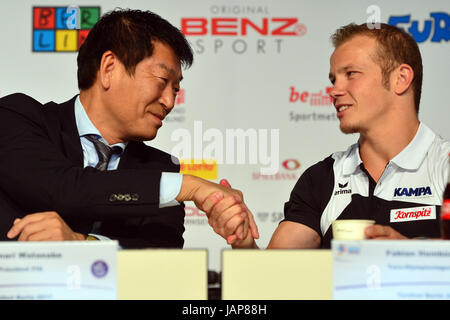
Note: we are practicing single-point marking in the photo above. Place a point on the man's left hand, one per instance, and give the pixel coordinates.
(379, 232)
(43, 226)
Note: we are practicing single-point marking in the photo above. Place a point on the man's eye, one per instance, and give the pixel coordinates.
(350, 73)
(164, 80)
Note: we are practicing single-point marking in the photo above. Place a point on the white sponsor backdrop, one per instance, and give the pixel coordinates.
(245, 81)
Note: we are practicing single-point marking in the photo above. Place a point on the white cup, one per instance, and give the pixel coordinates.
(350, 229)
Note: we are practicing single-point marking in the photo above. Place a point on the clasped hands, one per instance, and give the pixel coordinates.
(225, 208)
(227, 214)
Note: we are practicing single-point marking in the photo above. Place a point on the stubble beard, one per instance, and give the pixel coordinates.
(349, 129)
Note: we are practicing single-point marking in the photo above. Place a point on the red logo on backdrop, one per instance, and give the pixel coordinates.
(242, 26)
(195, 217)
(241, 29)
(291, 164)
(193, 212)
(321, 98)
(180, 97)
(314, 99)
(288, 173)
(178, 114)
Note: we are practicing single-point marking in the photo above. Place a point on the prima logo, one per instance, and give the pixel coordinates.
(342, 189)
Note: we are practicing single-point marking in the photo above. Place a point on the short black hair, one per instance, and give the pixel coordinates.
(129, 35)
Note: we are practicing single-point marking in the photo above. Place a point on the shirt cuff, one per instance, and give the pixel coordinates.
(99, 237)
(169, 188)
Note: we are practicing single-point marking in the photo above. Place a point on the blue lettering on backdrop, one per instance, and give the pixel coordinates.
(440, 22)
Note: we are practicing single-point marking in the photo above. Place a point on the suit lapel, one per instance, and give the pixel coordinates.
(69, 132)
(132, 156)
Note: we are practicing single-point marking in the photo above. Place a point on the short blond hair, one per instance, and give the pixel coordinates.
(395, 47)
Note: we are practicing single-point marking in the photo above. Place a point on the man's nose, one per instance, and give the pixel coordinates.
(167, 99)
(336, 91)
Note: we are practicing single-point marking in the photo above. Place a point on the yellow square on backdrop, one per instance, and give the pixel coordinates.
(66, 40)
(203, 168)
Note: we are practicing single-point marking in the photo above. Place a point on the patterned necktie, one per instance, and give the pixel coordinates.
(104, 153)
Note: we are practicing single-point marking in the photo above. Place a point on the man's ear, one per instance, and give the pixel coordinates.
(108, 64)
(404, 76)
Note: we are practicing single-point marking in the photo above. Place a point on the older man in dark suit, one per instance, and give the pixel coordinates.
(80, 170)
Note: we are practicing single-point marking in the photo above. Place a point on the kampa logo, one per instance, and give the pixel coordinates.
(342, 189)
(439, 24)
(413, 192)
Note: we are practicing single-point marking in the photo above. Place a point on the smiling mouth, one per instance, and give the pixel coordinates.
(160, 117)
(342, 108)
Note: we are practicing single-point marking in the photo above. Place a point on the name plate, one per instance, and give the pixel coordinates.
(69, 270)
(391, 270)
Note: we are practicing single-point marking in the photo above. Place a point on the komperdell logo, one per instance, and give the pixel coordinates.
(412, 192)
(343, 191)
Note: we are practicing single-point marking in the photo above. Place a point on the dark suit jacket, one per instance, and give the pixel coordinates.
(41, 169)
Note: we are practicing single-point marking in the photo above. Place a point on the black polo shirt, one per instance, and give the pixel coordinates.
(407, 197)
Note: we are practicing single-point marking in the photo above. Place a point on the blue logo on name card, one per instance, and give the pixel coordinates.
(99, 269)
(351, 250)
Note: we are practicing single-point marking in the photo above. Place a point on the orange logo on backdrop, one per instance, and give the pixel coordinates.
(204, 168)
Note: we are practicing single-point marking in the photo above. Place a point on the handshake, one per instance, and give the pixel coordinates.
(224, 206)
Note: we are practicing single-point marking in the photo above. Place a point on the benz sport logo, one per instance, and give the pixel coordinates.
(242, 29)
(413, 214)
(200, 26)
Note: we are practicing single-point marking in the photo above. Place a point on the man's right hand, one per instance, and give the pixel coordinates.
(43, 226)
(224, 207)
